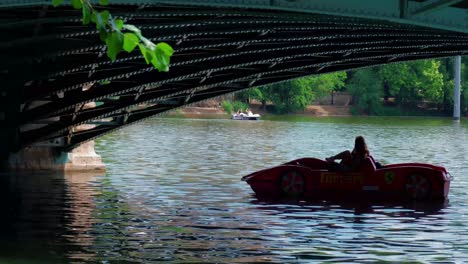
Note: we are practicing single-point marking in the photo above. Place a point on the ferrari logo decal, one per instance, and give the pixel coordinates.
(389, 177)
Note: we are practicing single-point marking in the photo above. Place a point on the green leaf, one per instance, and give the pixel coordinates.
(157, 63)
(86, 14)
(130, 42)
(103, 34)
(159, 66)
(116, 24)
(56, 3)
(105, 15)
(165, 48)
(77, 4)
(162, 56)
(101, 19)
(94, 16)
(161, 61)
(146, 52)
(119, 24)
(114, 42)
(103, 2)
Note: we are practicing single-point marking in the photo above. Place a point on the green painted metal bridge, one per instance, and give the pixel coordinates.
(59, 89)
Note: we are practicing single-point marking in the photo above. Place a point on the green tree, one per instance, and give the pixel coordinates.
(366, 88)
(324, 84)
(412, 82)
(431, 81)
(287, 97)
(249, 94)
(464, 86)
(295, 95)
(446, 69)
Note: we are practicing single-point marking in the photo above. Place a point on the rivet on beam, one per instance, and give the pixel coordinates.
(139, 92)
(392, 58)
(256, 79)
(263, 33)
(184, 37)
(321, 68)
(189, 96)
(208, 75)
(241, 45)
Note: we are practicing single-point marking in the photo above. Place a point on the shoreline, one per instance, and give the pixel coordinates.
(311, 111)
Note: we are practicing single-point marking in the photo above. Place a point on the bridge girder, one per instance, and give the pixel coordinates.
(63, 66)
(442, 14)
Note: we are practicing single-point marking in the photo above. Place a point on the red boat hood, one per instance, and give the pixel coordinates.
(414, 164)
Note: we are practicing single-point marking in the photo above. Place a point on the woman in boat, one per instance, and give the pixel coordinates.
(350, 160)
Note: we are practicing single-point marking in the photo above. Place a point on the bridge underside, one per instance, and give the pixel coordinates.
(60, 89)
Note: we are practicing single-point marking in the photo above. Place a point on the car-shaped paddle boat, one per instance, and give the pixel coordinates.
(310, 178)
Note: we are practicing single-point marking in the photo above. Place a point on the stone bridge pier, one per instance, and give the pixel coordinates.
(83, 158)
(48, 155)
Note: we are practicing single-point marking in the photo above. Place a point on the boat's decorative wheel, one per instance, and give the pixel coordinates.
(418, 186)
(292, 183)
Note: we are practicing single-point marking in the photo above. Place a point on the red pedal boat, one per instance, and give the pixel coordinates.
(310, 178)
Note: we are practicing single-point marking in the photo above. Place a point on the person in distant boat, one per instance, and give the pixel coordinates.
(350, 160)
(239, 112)
(249, 113)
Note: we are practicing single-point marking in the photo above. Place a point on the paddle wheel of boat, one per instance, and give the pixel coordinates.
(292, 183)
(418, 186)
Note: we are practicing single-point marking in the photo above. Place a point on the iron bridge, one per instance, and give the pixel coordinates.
(59, 88)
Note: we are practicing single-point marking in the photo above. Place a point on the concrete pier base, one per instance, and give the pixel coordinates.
(82, 158)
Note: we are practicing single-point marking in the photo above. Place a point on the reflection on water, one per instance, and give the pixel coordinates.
(347, 232)
(47, 217)
(173, 194)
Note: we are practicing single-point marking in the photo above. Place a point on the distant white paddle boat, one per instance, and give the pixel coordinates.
(243, 116)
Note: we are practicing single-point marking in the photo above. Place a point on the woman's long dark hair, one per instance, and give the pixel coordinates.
(360, 147)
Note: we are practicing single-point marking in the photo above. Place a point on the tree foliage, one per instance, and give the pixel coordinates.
(295, 95)
(288, 96)
(464, 85)
(366, 88)
(119, 36)
(414, 81)
(322, 85)
(426, 83)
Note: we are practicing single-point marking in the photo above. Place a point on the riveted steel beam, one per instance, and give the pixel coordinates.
(434, 6)
(453, 17)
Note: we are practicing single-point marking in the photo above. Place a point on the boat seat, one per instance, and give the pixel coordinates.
(368, 165)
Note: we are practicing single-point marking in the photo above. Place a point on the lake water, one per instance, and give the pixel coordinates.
(172, 194)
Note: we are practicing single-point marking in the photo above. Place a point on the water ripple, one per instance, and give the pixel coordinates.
(173, 194)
